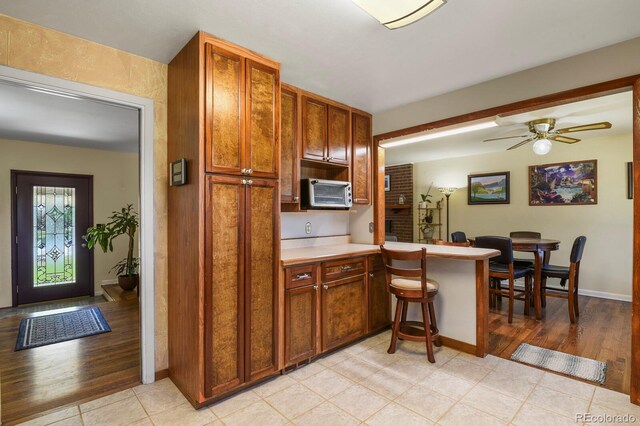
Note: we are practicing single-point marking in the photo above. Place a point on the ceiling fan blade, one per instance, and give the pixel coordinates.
(506, 137)
(563, 139)
(592, 126)
(521, 143)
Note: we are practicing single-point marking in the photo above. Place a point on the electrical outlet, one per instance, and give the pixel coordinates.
(307, 228)
(371, 227)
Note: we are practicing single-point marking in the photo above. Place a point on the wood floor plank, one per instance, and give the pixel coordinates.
(39, 379)
(602, 332)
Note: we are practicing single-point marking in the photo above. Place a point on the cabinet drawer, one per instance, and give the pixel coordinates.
(299, 276)
(343, 268)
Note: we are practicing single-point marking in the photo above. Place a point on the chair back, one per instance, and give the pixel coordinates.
(388, 256)
(497, 243)
(525, 234)
(447, 243)
(392, 238)
(458, 237)
(578, 249)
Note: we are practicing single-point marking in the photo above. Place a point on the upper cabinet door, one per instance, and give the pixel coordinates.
(339, 141)
(263, 120)
(361, 157)
(224, 111)
(289, 146)
(314, 129)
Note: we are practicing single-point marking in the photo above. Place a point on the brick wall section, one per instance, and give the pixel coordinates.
(401, 177)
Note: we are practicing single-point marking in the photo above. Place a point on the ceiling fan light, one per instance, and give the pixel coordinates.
(542, 146)
(399, 13)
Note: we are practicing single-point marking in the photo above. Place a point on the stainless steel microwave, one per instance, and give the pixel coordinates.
(325, 194)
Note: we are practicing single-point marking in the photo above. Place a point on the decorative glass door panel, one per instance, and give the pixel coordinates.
(54, 251)
(51, 213)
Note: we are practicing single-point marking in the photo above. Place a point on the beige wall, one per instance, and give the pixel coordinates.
(41, 50)
(115, 184)
(616, 61)
(608, 226)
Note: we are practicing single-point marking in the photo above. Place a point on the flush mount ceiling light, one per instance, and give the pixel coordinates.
(398, 13)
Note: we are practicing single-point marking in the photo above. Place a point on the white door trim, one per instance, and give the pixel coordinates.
(147, 212)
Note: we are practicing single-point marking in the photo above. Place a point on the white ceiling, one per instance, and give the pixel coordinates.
(332, 47)
(616, 109)
(31, 115)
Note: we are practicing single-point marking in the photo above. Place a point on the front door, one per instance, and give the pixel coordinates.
(51, 213)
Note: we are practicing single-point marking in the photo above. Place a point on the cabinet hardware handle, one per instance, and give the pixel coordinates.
(249, 171)
(243, 171)
(249, 182)
(346, 268)
(302, 276)
(295, 199)
(315, 287)
(325, 286)
(329, 158)
(371, 274)
(244, 181)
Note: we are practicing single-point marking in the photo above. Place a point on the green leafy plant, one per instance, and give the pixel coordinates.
(124, 222)
(426, 197)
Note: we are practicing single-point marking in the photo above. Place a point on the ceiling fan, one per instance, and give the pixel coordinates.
(542, 132)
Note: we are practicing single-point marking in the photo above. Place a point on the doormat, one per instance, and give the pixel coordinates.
(584, 368)
(55, 328)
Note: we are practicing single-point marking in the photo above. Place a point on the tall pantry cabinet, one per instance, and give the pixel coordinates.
(224, 245)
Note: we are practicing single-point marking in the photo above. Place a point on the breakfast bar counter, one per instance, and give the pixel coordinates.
(462, 303)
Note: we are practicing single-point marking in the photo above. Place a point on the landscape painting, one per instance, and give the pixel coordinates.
(489, 188)
(563, 184)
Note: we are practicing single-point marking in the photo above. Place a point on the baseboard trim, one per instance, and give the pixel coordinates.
(458, 345)
(604, 295)
(162, 374)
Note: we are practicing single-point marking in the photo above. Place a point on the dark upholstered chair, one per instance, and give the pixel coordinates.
(525, 234)
(501, 268)
(458, 237)
(564, 273)
(391, 237)
(412, 286)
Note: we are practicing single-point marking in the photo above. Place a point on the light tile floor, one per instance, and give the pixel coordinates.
(362, 384)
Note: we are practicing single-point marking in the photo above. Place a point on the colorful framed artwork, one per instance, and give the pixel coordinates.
(564, 184)
(488, 188)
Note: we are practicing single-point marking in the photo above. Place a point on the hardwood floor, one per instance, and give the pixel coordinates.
(602, 332)
(39, 379)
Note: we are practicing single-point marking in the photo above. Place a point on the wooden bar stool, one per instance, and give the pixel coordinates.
(412, 286)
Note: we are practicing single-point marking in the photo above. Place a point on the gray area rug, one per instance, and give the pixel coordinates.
(584, 368)
(54, 328)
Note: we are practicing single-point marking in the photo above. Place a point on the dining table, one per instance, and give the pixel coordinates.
(541, 249)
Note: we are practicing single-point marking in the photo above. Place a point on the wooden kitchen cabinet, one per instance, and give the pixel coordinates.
(361, 157)
(289, 140)
(242, 114)
(339, 137)
(379, 296)
(301, 306)
(314, 129)
(224, 301)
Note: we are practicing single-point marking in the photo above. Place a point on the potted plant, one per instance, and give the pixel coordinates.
(425, 198)
(124, 222)
(427, 228)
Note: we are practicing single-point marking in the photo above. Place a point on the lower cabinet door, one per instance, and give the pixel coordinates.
(379, 297)
(300, 320)
(344, 311)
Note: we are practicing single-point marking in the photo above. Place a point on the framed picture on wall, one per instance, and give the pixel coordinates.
(387, 183)
(488, 188)
(564, 184)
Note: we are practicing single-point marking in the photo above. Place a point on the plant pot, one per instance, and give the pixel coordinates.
(428, 233)
(422, 204)
(128, 282)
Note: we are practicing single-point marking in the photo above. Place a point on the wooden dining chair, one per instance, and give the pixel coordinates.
(411, 285)
(503, 268)
(459, 237)
(569, 273)
(525, 234)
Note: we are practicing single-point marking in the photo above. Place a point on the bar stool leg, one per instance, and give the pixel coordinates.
(396, 326)
(427, 332)
(434, 323)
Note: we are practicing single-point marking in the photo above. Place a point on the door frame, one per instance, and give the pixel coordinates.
(629, 83)
(146, 109)
(14, 225)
